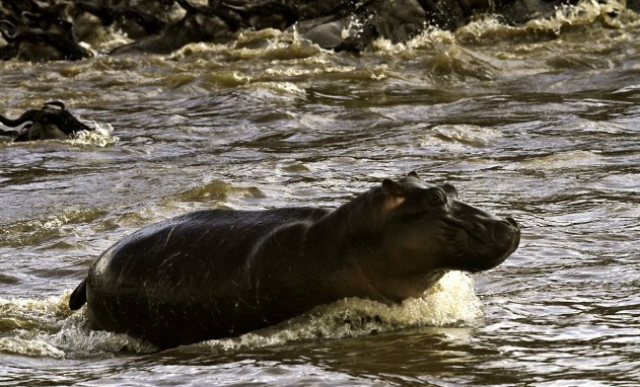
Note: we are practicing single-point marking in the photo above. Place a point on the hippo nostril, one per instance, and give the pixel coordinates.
(512, 222)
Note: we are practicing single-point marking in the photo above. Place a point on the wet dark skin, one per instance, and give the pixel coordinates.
(220, 273)
(52, 121)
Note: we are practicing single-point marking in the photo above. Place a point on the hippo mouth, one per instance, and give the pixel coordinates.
(488, 242)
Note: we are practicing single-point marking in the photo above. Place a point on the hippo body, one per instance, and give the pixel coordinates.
(220, 273)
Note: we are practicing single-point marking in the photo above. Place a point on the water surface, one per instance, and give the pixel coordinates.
(537, 122)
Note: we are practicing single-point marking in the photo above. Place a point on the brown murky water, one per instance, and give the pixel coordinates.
(539, 122)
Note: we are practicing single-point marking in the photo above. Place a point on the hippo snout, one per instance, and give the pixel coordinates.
(505, 230)
(501, 240)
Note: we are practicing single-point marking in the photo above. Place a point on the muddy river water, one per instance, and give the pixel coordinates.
(539, 122)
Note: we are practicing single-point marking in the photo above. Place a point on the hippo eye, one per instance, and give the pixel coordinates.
(436, 197)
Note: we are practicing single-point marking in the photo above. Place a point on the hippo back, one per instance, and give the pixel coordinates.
(194, 264)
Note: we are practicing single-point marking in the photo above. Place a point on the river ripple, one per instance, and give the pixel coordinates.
(538, 122)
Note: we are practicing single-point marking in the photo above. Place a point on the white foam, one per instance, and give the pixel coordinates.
(47, 328)
(101, 136)
(450, 302)
(34, 346)
(76, 339)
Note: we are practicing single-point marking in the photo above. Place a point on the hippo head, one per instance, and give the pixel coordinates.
(427, 231)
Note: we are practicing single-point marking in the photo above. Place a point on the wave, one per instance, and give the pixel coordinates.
(272, 44)
(36, 232)
(450, 302)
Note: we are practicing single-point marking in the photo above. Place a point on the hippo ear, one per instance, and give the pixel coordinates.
(414, 174)
(393, 188)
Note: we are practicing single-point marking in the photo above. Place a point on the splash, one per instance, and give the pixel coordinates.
(268, 44)
(450, 302)
(32, 314)
(101, 136)
(488, 29)
(76, 339)
(32, 345)
(47, 328)
(26, 325)
(590, 13)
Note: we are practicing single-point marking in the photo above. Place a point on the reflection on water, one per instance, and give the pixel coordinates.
(537, 122)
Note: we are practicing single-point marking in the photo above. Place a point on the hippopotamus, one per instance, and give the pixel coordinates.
(220, 273)
(52, 121)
